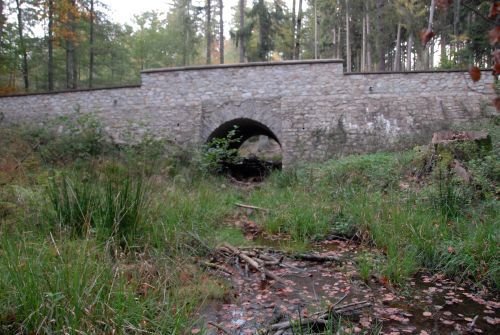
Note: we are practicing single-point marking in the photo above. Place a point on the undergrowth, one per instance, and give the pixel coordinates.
(101, 238)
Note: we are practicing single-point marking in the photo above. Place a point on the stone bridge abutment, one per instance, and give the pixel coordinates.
(311, 108)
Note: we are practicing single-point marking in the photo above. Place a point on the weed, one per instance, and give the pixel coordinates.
(220, 152)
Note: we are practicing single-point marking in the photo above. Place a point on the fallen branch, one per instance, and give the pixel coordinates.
(319, 319)
(252, 263)
(216, 267)
(251, 207)
(218, 326)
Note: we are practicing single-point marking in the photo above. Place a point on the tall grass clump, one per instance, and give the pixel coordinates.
(74, 203)
(122, 208)
(53, 286)
(103, 203)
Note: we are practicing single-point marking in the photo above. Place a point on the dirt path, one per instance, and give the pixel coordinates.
(429, 305)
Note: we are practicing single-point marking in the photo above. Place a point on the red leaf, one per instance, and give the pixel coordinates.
(494, 10)
(496, 69)
(494, 35)
(496, 102)
(475, 73)
(443, 4)
(426, 35)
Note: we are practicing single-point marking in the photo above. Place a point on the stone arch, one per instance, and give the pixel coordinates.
(253, 116)
(245, 128)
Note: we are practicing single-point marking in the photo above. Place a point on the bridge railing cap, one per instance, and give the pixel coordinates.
(242, 65)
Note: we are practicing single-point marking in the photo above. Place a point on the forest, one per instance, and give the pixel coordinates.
(49, 45)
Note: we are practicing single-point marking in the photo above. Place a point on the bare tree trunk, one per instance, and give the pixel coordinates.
(208, 31)
(315, 31)
(368, 48)
(294, 22)
(71, 70)
(241, 37)
(397, 57)
(50, 65)
(22, 45)
(456, 22)
(339, 45)
(443, 58)
(91, 46)
(299, 26)
(379, 36)
(187, 35)
(363, 46)
(347, 38)
(431, 56)
(334, 42)
(221, 32)
(409, 51)
(2, 21)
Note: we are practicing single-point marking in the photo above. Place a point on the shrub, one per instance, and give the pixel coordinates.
(70, 137)
(220, 152)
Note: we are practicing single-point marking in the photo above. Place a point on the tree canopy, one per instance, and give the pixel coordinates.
(67, 44)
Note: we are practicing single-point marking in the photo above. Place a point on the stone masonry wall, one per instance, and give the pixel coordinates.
(314, 109)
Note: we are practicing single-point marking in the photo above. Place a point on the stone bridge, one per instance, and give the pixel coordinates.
(313, 109)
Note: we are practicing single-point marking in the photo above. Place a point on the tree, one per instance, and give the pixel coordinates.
(22, 44)
(50, 45)
(3, 19)
(208, 31)
(241, 31)
(221, 32)
(91, 43)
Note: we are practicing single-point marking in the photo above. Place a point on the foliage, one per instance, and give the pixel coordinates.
(70, 137)
(94, 245)
(220, 152)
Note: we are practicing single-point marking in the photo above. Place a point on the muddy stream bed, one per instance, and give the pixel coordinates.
(429, 304)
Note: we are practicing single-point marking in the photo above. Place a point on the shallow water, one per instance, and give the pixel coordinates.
(429, 305)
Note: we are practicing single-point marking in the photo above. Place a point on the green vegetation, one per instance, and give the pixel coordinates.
(102, 240)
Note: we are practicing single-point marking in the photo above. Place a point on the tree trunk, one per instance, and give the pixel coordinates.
(339, 40)
(187, 34)
(208, 32)
(50, 42)
(397, 57)
(71, 70)
(241, 37)
(315, 31)
(379, 37)
(368, 47)
(22, 45)
(299, 27)
(91, 44)
(363, 45)
(221, 32)
(456, 22)
(347, 38)
(409, 51)
(431, 14)
(431, 58)
(334, 43)
(293, 29)
(3, 19)
(443, 58)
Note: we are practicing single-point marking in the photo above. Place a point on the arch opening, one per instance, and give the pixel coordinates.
(259, 149)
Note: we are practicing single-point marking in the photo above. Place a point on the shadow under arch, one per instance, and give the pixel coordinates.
(246, 128)
(253, 167)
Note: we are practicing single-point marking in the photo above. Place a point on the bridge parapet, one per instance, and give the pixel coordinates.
(313, 108)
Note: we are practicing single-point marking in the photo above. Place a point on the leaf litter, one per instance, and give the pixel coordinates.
(431, 304)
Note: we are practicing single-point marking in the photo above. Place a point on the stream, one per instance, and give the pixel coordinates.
(429, 304)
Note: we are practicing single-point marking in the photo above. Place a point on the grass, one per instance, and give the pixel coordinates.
(105, 241)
